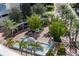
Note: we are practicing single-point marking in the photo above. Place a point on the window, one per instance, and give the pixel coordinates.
(2, 7)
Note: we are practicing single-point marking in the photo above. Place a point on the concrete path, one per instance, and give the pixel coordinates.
(42, 37)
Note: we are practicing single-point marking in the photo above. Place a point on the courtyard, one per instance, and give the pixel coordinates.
(42, 30)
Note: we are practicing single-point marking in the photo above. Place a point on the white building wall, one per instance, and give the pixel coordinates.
(13, 5)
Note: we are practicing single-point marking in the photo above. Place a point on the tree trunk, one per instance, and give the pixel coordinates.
(21, 50)
(70, 25)
(26, 52)
(69, 34)
(65, 21)
(34, 51)
(76, 34)
(69, 37)
(75, 50)
(31, 52)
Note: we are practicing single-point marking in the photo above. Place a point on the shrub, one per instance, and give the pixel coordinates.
(50, 53)
(39, 9)
(52, 4)
(48, 14)
(26, 9)
(61, 50)
(50, 8)
(15, 15)
(9, 42)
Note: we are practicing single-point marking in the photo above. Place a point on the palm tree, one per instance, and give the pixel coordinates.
(57, 29)
(8, 25)
(35, 45)
(10, 42)
(64, 12)
(34, 22)
(76, 25)
(71, 18)
(26, 44)
(67, 14)
(23, 44)
(63, 7)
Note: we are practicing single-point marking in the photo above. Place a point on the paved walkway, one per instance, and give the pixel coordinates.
(17, 37)
(1, 38)
(42, 37)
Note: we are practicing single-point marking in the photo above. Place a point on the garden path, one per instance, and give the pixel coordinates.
(42, 37)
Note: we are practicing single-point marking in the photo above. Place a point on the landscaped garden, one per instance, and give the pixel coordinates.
(36, 30)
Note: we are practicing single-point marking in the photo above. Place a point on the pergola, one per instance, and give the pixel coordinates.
(19, 26)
